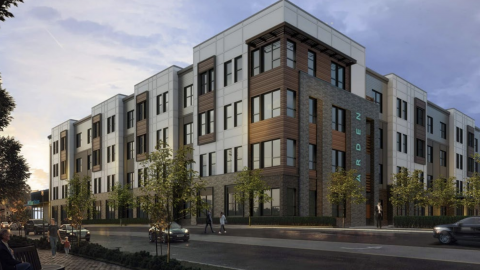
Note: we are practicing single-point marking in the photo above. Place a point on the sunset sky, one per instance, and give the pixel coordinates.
(60, 58)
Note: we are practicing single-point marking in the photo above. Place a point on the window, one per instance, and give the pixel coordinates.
(399, 142)
(443, 158)
(338, 160)
(234, 208)
(291, 103)
(130, 119)
(141, 144)
(420, 148)
(228, 160)
(203, 165)
(207, 82)
(270, 106)
(89, 162)
(338, 119)
(271, 208)
(111, 124)
(63, 143)
(188, 96)
(443, 130)
(402, 109)
(130, 180)
(381, 138)
(312, 110)
(108, 183)
(377, 97)
(291, 54)
(459, 135)
(238, 114)
(405, 111)
(380, 174)
(207, 123)
(162, 136)
(430, 154)
(312, 157)
(165, 137)
(206, 195)
(470, 139)
(228, 76)
(256, 156)
(312, 63)
(271, 153)
(78, 165)
(429, 181)
(79, 140)
(270, 55)
(228, 116)
(291, 202)
(471, 165)
(420, 117)
(476, 145)
(291, 153)
(96, 158)
(238, 69)
(129, 150)
(89, 135)
(188, 131)
(108, 154)
(110, 209)
(459, 161)
(113, 152)
(404, 143)
(429, 124)
(141, 111)
(162, 103)
(238, 159)
(337, 75)
(165, 102)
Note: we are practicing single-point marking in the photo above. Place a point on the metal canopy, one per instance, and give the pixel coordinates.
(303, 37)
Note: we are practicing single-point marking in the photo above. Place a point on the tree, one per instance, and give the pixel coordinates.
(80, 201)
(250, 187)
(122, 197)
(170, 184)
(343, 186)
(408, 188)
(472, 193)
(14, 170)
(443, 193)
(5, 5)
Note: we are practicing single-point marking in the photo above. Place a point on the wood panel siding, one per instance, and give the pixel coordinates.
(206, 102)
(206, 64)
(368, 184)
(420, 131)
(369, 144)
(97, 118)
(339, 141)
(142, 97)
(312, 174)
(141, 157)
(207, 138)
(266, 82)
(470, 150)
(312, 133)
(96, 143)
(63, 154)
(142, 127)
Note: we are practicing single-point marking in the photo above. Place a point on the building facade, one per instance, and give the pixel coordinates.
(280, 91)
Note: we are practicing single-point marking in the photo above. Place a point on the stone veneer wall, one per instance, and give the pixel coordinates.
(329, 95)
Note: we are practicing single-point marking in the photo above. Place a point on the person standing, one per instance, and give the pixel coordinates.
(53, 232)
(223, 220)
(66, 245)
(379, 214)
(7, 259)
(209, 221)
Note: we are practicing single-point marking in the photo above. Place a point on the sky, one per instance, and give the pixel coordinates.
(60, 58)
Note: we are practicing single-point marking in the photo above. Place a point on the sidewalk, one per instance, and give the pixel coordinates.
(74, 262)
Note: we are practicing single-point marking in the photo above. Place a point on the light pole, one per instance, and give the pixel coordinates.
(43, 216)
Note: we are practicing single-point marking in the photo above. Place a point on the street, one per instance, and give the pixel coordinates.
(302, 248)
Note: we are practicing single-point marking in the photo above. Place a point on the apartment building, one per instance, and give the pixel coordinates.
(280, 91)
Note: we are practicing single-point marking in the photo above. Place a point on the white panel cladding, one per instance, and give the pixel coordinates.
(233, 40)
(67, 125)
(324, 33)
(358, 80)
(309, 26)
(399, 88)
(460, 120)
(186, 79)
(83, 128)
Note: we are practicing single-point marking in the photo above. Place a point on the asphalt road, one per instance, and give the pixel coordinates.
(253, 256)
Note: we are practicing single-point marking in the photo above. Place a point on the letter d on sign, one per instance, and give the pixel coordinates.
(358, 147)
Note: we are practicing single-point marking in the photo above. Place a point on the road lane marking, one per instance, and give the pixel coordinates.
(215, 265)
(362, 248)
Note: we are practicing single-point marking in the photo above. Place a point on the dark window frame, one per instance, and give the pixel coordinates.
(335, 69)
(312, 61)
(341, 127)
(228, 73)
(378, 99)
(188, 96)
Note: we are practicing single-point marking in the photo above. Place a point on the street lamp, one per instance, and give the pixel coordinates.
(43, 216)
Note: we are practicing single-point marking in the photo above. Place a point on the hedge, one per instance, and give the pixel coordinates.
(424, 221)
(294, 221)
(137, 260)
(42, 243)
(125, 221)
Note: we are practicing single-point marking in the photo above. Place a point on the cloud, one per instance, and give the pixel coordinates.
(45, 13)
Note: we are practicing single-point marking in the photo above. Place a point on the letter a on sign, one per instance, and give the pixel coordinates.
(358, 162)
(358, 147)
(359, 178)
(358, 131)
(358, 116)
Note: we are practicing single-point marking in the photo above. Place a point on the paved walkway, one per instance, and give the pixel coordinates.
(74, 262)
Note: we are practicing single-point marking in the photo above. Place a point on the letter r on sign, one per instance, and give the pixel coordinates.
(358, 162)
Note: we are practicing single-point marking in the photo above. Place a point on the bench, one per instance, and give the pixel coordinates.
(29, 254)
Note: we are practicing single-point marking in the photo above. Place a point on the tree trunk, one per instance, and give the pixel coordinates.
(344, 212)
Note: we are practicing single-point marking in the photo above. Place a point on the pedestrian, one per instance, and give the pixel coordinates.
(52, 238)
(7, 258)
(223, 220)
(379, 214)
(66, 245)
(209, 221)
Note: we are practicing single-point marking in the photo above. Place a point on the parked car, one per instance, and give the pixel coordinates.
(5, 225)
(36, 225)
(465, 229)
(177, 233)
(67, 230)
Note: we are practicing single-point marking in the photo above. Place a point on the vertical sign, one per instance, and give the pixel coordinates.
(358, 146)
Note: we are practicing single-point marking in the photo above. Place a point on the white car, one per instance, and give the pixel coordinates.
(5, 225)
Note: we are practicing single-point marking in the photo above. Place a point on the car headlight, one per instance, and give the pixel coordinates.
(186, 230)
(88, 232)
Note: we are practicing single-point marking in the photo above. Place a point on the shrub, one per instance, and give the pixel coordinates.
(424, 221)
(291, 220)
(117, 221)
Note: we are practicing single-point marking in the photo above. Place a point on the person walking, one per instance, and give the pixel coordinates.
(379, 214)
(7, 258)
(66, 245)
(52, 238)
(223, 220)
(209, 221)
